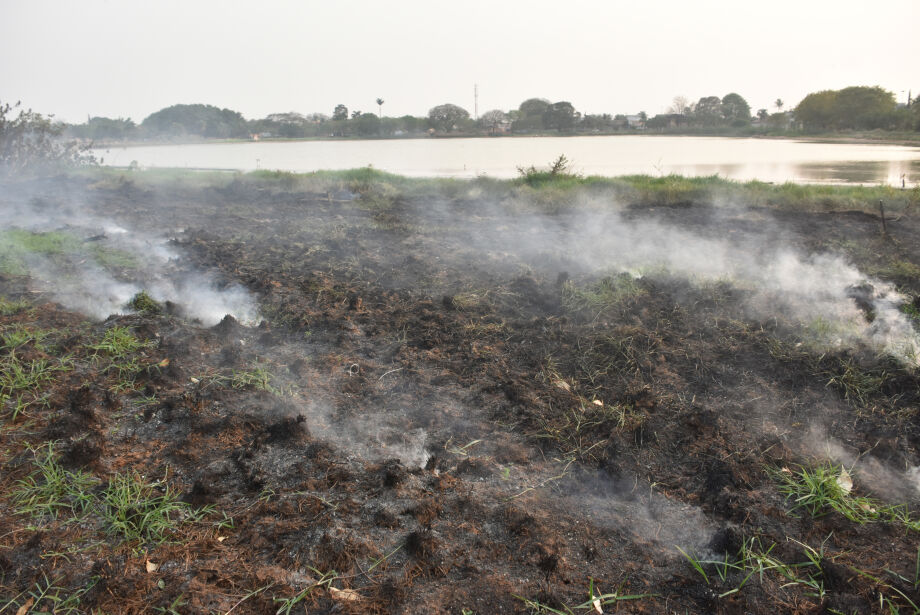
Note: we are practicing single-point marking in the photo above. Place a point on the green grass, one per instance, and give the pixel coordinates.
(16, 245)
(113, 258)
(47, 597)
(131, 508)
(51, 490)
(12, 307)
(823, 488)
(118, 351)
(145, 304)
(257, 378)
(136, 510)
(14, 336)
(753, 560)
(543, 191)
(22, 381)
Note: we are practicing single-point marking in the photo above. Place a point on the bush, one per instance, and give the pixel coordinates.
(31, 143)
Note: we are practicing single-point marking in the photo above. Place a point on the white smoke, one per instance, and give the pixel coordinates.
(822, 293)
(105, 264)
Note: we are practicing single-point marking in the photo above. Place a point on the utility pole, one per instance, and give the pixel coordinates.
(475, 101)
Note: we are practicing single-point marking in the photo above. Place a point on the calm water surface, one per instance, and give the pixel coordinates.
(741, 159)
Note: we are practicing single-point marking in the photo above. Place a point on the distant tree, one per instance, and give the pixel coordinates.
(446, 117)
(410, 123)
(864, 107)
(97, 128)
(531, 115)
(779, 104)
(596, 123)
(30, 143)
(856, 107)
(490, 120)
(762, 114)
(380, 107)
(368, 125)
(816, 111)
(708, 111)
(680, 106)
(735, 109)
(355, 115)
(199, 120)
(340, 112)
(559, 116)
(643, 116)
(533, 107)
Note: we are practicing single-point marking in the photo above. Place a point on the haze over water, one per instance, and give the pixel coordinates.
(739, 159)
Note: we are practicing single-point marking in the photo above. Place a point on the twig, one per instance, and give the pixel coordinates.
(398, 369)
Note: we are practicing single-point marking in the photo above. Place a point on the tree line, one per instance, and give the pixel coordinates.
(852, 108)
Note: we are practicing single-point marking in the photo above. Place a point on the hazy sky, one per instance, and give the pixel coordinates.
(121, 58)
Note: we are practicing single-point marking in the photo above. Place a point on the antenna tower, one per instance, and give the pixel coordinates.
(475, 101)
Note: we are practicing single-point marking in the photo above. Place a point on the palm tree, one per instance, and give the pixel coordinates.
(778, 103)
(380, 107)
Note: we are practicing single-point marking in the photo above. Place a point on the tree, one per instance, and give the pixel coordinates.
(340, 112)
(534, 107)
(532, 115)
(199, 120)
(762, 114)
(856, 107)
(708, 111)
(380, 107)
(559, 116)
(355, 115)
(491, 120)
(446, 117)
(30, 143)
(864, 108)
(735, 109)
(368, 125)
(103, 128)
(779, 104)
(680, 106)
(816, 111)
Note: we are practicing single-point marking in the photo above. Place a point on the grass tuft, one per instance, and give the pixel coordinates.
(137, 510)
(52, 490)
(145, 304)
(827, 487)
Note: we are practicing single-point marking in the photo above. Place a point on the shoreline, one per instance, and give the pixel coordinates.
(842, 139)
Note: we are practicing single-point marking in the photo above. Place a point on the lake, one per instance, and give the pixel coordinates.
(770, 160)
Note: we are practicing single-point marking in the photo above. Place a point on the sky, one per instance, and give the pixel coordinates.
(127, 58)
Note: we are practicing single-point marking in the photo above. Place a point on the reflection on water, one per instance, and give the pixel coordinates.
(892, 172)
(770, 160)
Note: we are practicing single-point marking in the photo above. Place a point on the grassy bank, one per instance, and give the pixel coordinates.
(560, 191)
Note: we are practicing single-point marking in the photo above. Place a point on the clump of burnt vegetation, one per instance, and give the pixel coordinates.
(442, 410)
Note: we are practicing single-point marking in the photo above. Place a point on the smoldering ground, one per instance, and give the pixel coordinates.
(457, 390)
(90, 263)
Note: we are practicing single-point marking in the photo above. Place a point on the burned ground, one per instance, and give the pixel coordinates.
(442, 411)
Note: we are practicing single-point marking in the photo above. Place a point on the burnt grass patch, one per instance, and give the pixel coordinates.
(428, 420)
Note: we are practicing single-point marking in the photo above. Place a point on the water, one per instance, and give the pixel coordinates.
(770, 160)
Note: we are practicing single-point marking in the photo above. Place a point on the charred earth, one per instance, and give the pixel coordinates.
(358, 393)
